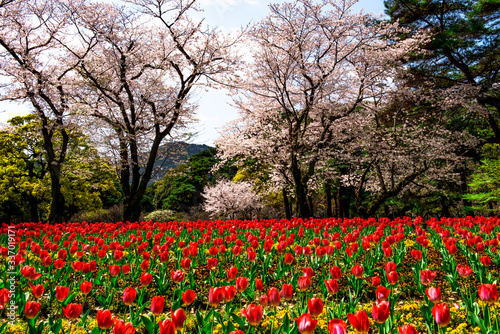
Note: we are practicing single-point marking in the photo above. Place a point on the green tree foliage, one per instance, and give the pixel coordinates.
(462, 59)
(181, 187)
(485, 184)
(23, 171)
(86, 178)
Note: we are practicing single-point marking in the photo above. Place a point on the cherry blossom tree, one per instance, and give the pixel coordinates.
(231, 200)
(313, 66)
(36, 71)
(138, 80)
(405, 147)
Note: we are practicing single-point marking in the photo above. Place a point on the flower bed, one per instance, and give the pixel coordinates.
(269, 276)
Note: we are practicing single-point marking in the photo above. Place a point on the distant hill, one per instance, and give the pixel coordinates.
(174, 154)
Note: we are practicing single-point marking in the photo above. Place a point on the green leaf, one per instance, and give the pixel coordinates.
(209, 315)
(218, 316)
(148, 324)
(69, 299)
(238, 320)
(56, 327)
(199, 318)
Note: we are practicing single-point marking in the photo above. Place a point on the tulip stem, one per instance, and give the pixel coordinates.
(213, 321)
(272, 320)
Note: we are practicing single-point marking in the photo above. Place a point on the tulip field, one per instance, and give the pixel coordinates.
(262, 276)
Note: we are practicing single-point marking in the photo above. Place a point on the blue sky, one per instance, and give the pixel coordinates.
(214, 110)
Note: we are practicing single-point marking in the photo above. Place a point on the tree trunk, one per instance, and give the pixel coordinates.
(124, 165)
(301, 206)
(328, 191)
(463, 188)
(288, 214)
(310, 205)
(444, 208)
(57, 205)
(340, 203)
(33, 209)
(132, 208)
(346, 203)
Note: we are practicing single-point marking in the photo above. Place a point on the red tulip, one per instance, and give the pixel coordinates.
(123, 328)
(30, 273)
(427, 276)
(306, 323)
(441, 314)
(31, 309)
(452, 248)
(357, 271)
(380, 311)
(387, 251)
(72, 311)
(4, 297)
(315, 307)
(47, 261)
(104, 319)
(37, 290)
(231, 273)
(117, 255)
(129, 295)
(212, 263)
(407, 329)
(239, 331)
(332, 286)
(59, 263)
(167, 326)
(488, 293)
(188, 297)
(146, 279)
(178, 318)
(390, 266)
(375, 281)
(157, 305)
(263, 300)
(177, 276)
(229, 292)
(359, 321)
(62, 293)
(480, 247)
(308, 272)
(125, 270)
(392, 278)
(186, 263)
(164, 257)
(382, 293)
(241, 284)
(253, 313)
(416, 254)
(213, 251)
(85, 287)
(274, 297)
(288, 259)
(287, 292)
(337, 326)
(251, 255)
(464, 271)
(304, 282)
(485, 260)
(335, 272)
(236, 250)
(259, 286)
(144, 265)
(215, 296)
(434, 294)
(114, 270)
